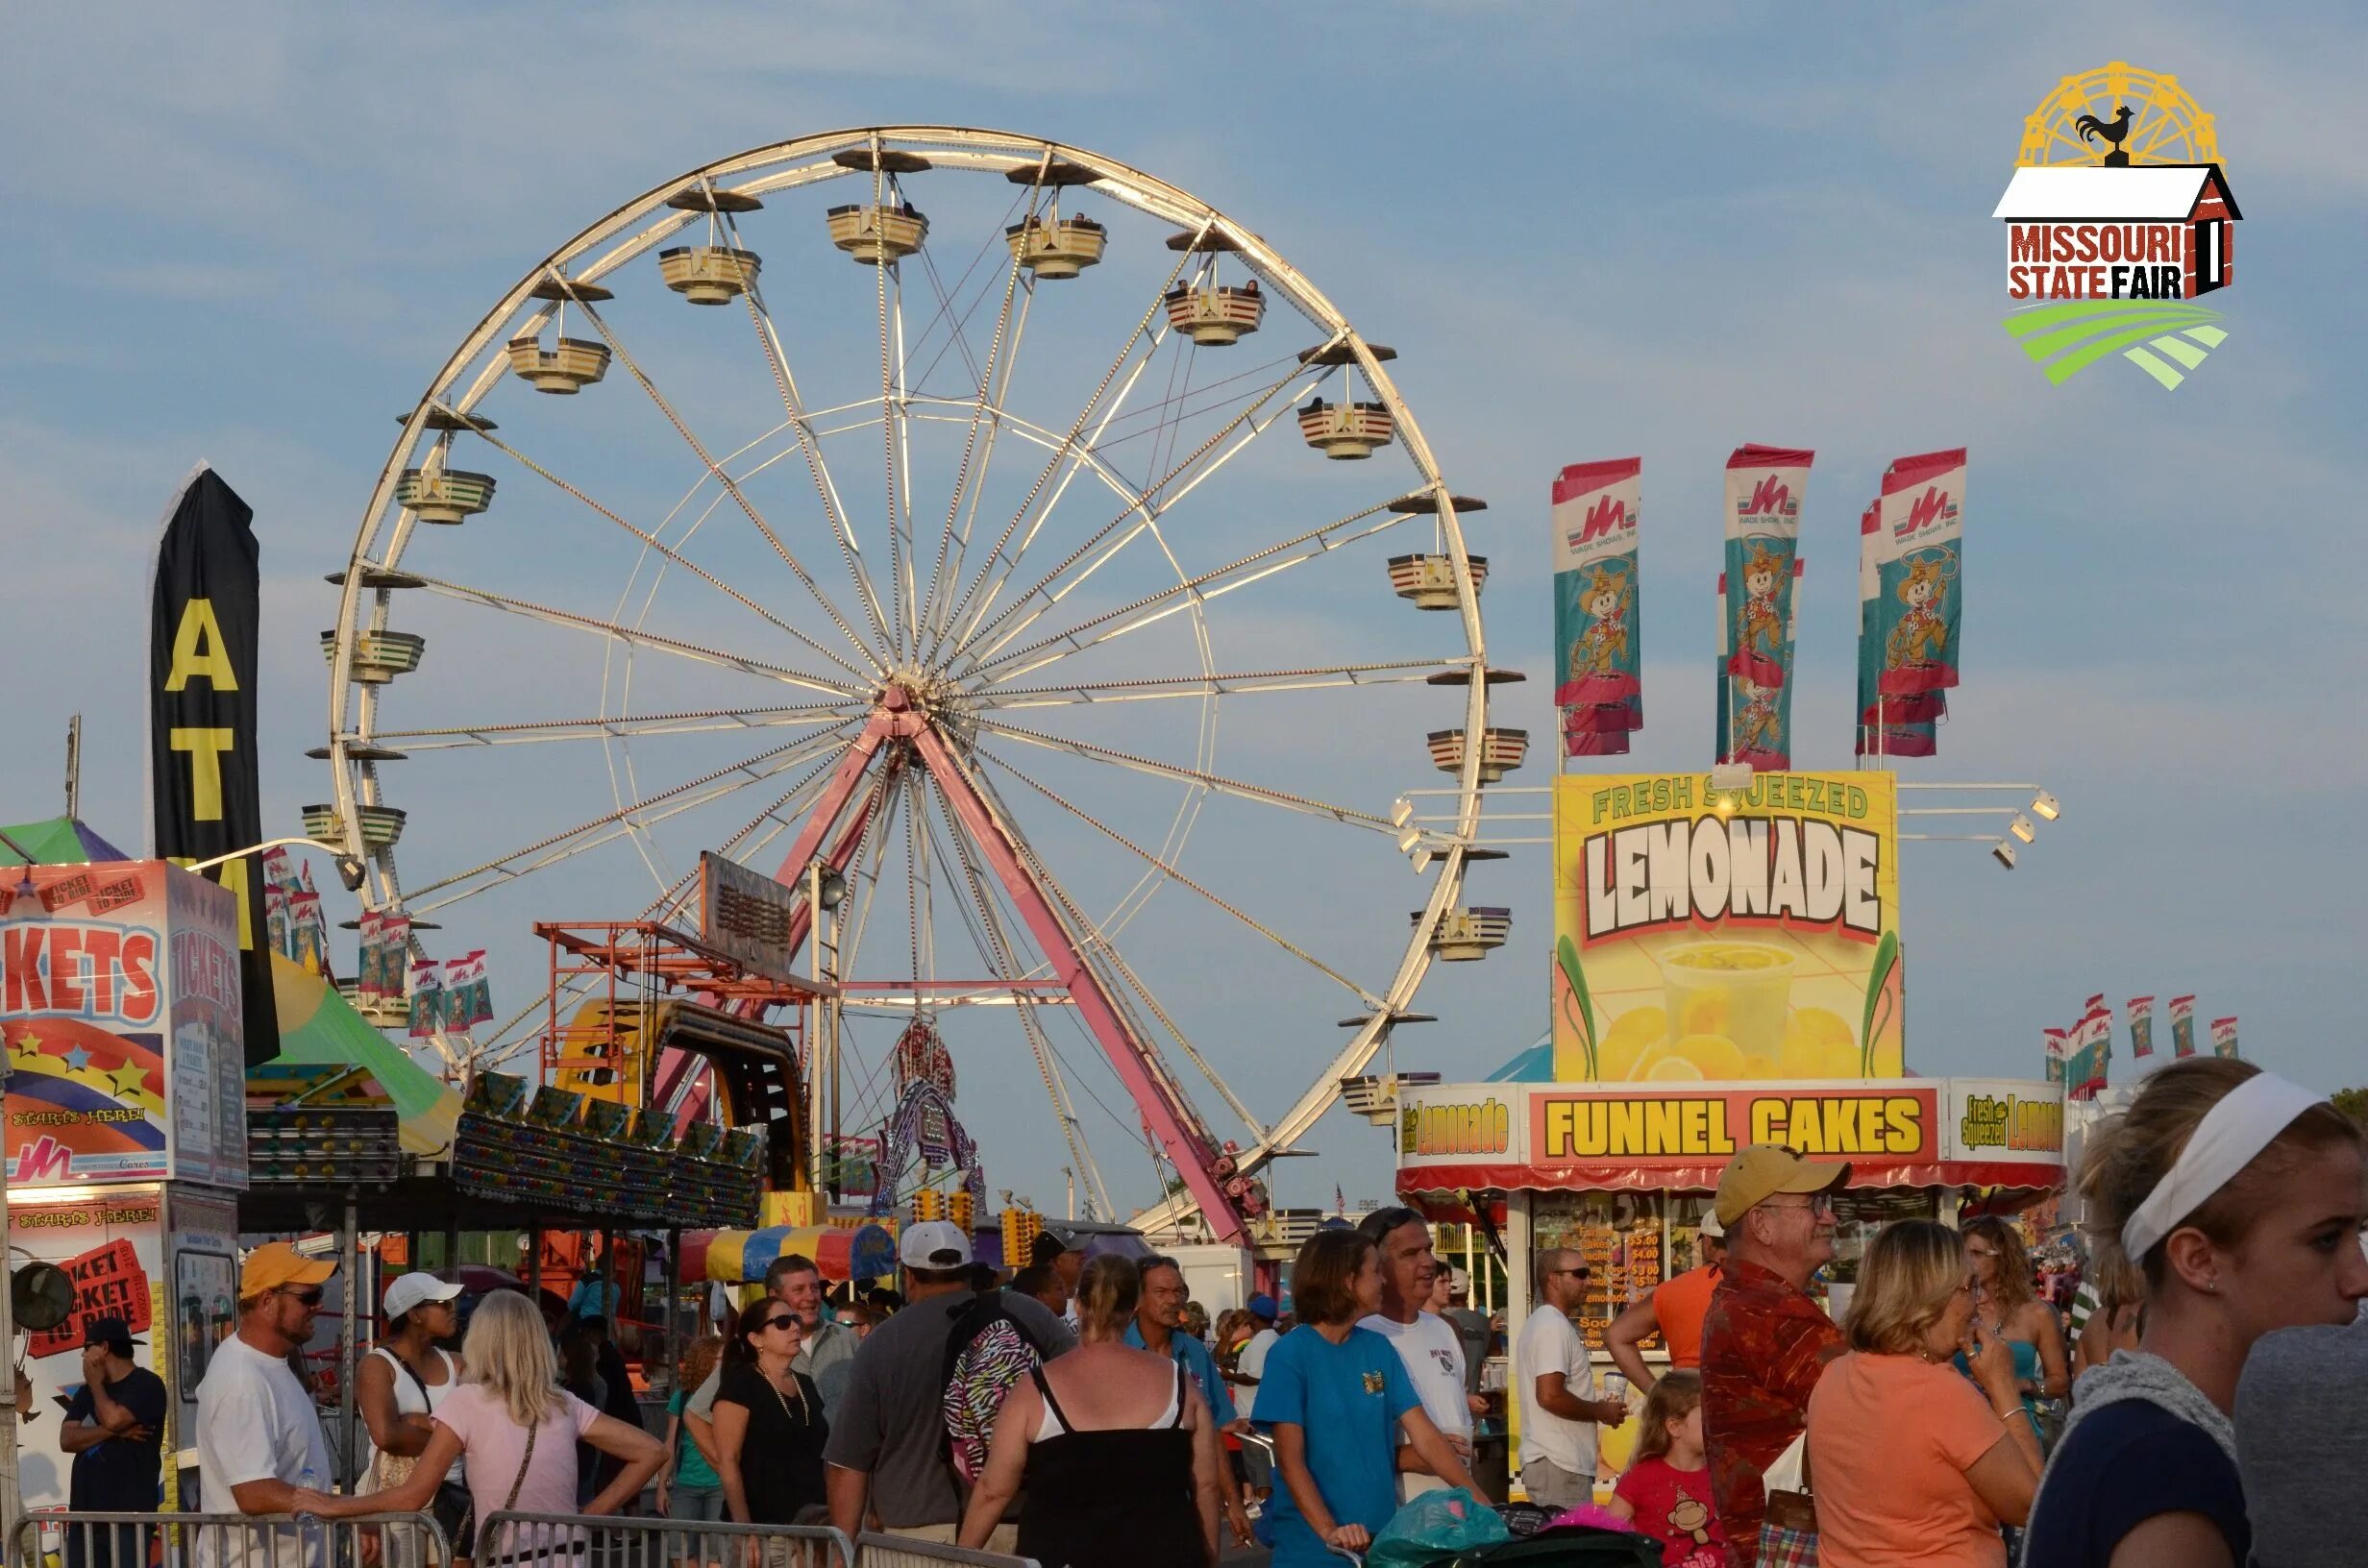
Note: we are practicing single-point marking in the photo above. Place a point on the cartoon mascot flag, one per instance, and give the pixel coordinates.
(1597, 632)
(1888, 727)
(1918, 600)
(1757, 593)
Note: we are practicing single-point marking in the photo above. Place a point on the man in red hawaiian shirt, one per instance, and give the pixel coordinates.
(1764, 1342)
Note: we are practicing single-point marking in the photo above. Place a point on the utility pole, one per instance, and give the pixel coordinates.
(74, 767)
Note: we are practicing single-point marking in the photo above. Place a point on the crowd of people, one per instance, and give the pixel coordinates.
(1088, 1415)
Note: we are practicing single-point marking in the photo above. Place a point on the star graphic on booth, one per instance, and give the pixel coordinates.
(127, 1079)
(76, 1059)
(28, 1046)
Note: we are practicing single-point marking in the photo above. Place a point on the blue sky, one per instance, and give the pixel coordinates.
(250, 234)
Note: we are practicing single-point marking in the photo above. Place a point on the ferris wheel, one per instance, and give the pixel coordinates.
(2120, 115)
(930, 555)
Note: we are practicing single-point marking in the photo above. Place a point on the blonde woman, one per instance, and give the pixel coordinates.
(514, 1429)
(1114, 1445)
(2238, 1198)
(1910, 1463)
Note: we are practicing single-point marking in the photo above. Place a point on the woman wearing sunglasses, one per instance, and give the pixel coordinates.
(769, 1425)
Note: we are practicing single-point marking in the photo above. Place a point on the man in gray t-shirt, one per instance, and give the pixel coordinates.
(2302, 1445)
(887, 1448)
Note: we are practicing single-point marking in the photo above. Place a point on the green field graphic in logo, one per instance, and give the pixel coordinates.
(2067, 337)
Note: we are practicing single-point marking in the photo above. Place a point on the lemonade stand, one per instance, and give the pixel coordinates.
(1727, 971)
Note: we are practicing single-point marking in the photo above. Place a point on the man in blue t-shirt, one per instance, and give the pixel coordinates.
(1159, 1328)
(114, 1427)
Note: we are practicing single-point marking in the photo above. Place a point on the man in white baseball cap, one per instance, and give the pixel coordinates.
(887, 1453)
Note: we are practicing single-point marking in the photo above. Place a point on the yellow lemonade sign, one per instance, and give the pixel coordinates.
(1726, 935)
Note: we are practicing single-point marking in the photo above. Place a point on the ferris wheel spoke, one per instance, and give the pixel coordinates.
(1039, 595)
(1005, 329)
(1214, 583)
(637, 638)
(782, 814)
(1315, 678)
(1170, 870)
(650, 541)
(1283, 798)
(809, 445)
(536, 731)
(628, 820)
(992, 939)
(731, 485)
(1101, 952)
(993, 570)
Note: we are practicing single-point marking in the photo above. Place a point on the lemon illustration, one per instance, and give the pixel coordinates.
(1674, 1069)
(1889, 1063)
(1704, 1013)
(1806, 1055)
(1822, 1024)
(1628, 1037)
(1713, 1056)
(1757, 1067)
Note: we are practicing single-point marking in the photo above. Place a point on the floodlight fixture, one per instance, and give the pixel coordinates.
(2004, 853)
(2043, 805)
(1401, 812)
(2022, 829)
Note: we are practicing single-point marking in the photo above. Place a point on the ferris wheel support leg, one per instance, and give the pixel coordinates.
(1187, 1144)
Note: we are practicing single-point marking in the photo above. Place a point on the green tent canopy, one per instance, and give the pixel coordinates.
(61, 840)
(320, 1028)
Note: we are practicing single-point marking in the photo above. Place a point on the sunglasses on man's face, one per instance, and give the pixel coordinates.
(310, 1295)
(1576, 1273)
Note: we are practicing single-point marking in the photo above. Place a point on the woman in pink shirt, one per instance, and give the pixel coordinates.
(515, 1432)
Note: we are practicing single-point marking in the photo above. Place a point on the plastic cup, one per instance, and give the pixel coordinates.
(1743, 988)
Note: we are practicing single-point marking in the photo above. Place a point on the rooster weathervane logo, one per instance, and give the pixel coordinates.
(2119, 218)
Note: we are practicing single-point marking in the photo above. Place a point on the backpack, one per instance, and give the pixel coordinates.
(987, 1350)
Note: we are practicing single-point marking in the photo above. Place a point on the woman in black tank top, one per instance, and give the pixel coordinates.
(1133, 1496)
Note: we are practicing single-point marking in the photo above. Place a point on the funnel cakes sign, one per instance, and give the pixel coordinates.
(1726, 935)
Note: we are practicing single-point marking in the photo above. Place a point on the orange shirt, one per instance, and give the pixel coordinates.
(1679, 1304)
(1889, 1440)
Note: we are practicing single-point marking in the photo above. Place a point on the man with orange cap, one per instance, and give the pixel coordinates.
(258, 1439)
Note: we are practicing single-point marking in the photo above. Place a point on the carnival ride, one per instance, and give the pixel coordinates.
(998, 708)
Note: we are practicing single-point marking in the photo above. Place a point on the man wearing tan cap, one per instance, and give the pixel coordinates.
(1764, 1342)
(258, 1439)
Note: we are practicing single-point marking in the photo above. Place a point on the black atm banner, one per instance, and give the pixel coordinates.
(205, 790)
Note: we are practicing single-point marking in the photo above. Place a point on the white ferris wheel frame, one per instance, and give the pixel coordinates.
(639, 226)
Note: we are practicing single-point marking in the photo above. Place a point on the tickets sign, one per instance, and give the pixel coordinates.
(1737, 934)
(122, 1012)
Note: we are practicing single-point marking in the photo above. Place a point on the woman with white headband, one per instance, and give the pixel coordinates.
(2239, 1198)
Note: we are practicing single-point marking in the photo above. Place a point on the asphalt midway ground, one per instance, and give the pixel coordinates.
(1245, 1557)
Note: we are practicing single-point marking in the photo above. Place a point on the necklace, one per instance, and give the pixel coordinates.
(801, 1417)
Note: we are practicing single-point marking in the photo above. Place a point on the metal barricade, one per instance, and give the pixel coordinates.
(227, 1540)
(575, 1540)
(881, 1551)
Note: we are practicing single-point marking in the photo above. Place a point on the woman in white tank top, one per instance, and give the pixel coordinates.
(399, 1386)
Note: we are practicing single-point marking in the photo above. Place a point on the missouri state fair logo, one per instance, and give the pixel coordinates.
(2119, 220)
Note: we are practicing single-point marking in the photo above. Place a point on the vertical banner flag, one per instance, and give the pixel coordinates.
(1919, 601)
(1597, 629)
(1764, 493)
(426, 998)
(1888, 727)
(2058, 1045)
(203, 790)
(2142, 1026)
(2092, 1039)
(2182, 1026)
(2224, 1037)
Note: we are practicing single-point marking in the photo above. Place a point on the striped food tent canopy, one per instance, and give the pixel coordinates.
(866, 1252)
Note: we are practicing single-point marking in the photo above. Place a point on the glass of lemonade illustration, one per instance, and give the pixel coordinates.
(1740, 990)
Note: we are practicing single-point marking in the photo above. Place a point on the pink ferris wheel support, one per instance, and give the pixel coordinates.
(899, 733)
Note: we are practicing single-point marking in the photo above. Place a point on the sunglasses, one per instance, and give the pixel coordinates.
(1574, 1273)
(310, 1295)
(785, 1321)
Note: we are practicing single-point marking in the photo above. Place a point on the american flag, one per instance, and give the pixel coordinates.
(1339, 1201)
